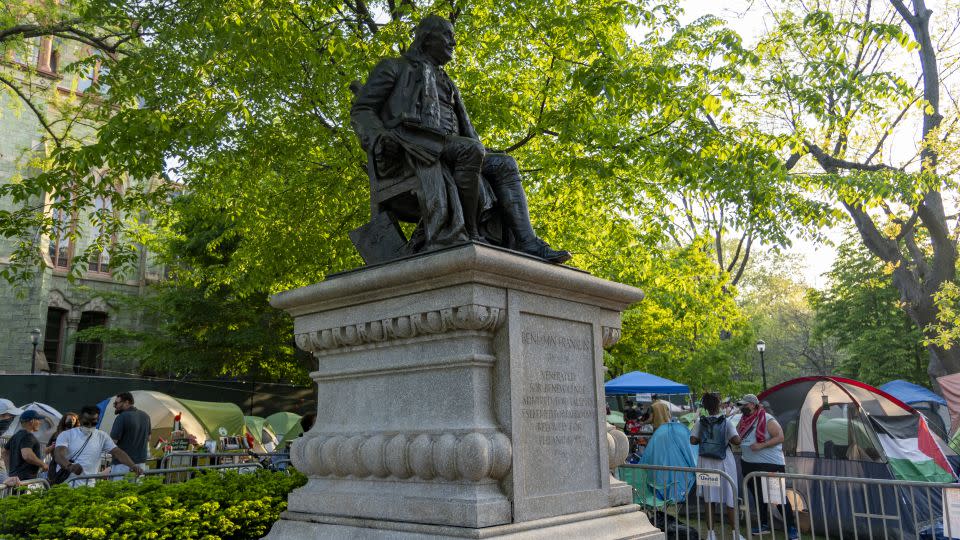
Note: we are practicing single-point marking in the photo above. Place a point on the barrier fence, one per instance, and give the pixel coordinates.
(852, 508)
(170, 475)
(669, 496)
(783, 505)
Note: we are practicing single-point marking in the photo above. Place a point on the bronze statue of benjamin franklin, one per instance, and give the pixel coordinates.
(411, 121)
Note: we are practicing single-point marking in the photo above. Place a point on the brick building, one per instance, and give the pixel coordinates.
(50, 303)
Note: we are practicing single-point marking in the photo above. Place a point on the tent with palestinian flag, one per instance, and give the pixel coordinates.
(841, 427)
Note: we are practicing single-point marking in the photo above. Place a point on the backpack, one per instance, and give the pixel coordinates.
(713, 437)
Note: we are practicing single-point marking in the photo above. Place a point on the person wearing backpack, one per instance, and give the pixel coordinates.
(714, 433)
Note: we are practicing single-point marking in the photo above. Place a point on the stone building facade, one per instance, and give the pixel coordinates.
(57, 307)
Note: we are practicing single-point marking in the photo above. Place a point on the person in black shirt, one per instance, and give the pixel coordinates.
(131, 432)
(23, 450)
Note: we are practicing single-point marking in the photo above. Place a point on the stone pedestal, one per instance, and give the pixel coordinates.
(460, 395)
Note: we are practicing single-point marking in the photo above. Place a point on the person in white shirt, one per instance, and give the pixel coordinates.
(81, 448)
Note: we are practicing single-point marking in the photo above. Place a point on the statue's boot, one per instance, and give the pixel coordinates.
(516, 216)
(468, 189)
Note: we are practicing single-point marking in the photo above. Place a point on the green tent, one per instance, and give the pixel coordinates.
(286, 425)
(616, 418)
(256, 425)
(219, 419)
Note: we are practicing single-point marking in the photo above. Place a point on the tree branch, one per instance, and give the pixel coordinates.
(40, 117)
(831, 163)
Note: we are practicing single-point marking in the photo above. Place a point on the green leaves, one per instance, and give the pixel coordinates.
(211, 505)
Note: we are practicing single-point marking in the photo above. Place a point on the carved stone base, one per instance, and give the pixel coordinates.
(621, 523)
(460, 390)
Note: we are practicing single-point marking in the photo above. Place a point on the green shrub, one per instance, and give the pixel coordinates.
(211, 506)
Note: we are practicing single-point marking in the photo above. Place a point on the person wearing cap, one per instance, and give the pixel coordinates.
(762, 451)
(7, 413)
(22, 452)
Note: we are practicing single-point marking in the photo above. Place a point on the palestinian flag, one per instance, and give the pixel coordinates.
(912, 450)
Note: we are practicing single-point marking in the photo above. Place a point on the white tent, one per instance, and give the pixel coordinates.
(51, 418)
(162, 409)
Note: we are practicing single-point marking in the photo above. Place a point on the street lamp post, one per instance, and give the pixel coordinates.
(761, 346)
(35, 339)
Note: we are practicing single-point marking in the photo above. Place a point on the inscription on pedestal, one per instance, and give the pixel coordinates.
(558, 407)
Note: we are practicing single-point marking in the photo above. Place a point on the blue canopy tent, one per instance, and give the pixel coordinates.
(910, 393)
(930, 405)
(638, 382)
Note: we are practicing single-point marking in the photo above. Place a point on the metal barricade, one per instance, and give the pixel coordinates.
(199, 459)
(671, 498)
(25, 486)
(850, 508)
(170, 476)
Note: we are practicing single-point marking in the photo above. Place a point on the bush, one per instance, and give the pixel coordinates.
(213, 505)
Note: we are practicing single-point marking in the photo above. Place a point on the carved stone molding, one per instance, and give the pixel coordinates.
(468, 456)
(55, 299)
(610, 336)
(96, 304)
(467, 317)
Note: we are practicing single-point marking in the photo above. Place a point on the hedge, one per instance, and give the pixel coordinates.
(211, 506)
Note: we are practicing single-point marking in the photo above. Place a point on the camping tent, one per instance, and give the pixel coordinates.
(933, 407)
(219, 419)
(842, 427)
(51, 418)
(286, 425)
(161, 408)
(264, 438)
(638, 382)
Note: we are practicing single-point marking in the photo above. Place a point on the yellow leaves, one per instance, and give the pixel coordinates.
(711, 104)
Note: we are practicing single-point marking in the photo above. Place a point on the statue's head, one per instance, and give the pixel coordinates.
(434, 38)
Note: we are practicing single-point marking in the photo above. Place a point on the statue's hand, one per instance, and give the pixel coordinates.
(388, 146)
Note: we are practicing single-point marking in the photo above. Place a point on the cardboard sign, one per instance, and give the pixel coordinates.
(705, 479)
(774, 490)
(951, 512)
(180, 445)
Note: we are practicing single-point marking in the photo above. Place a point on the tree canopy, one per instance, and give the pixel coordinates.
(644, 144)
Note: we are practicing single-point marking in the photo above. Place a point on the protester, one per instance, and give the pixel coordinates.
(22, 453)
(660, 412)
(67, 421)
(307, 420)
(79, 449)
(131, 432)
(7, 413)
(631, 412)
(762, 450)
(714, 433)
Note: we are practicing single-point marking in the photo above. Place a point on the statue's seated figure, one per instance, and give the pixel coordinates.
(427, 164)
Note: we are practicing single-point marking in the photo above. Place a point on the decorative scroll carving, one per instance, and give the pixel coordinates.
(618, 447)
(468, 317)
(469, 456)
(610, 336)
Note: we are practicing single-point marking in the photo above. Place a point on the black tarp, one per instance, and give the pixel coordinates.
(70, 392)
